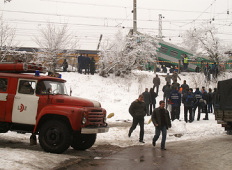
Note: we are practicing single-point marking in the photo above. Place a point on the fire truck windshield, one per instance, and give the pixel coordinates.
(51, 87)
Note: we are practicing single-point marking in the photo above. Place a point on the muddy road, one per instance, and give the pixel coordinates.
(214, 153)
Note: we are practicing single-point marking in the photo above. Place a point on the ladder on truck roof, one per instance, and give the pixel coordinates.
(18, 67)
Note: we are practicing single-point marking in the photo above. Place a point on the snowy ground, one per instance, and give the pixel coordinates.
(115, 95)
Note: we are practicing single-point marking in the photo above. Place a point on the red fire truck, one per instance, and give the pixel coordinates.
(32, 103)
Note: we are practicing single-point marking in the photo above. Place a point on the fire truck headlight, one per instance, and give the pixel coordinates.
(83, 120)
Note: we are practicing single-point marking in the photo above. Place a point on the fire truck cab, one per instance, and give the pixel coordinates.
(32, 103)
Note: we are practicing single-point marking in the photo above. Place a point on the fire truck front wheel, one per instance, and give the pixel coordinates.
(54, 136)
(83, 141)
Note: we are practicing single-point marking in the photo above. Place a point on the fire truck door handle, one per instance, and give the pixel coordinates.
(16, 97)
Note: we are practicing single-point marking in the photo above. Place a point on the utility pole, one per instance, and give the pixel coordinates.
(134, 16)
(160, 26)
(99, 42)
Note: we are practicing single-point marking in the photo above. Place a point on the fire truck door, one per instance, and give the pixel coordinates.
(3, 100)
(3, 97)
(25, 103)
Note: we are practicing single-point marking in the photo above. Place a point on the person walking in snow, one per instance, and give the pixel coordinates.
(210, 101)
(184, 87)
(147, 100)
(168, 79)
(167, 90)
(153, 100)
(204, 106)
(138, 111)
(161, 121)
(175, 76)
(156, 82)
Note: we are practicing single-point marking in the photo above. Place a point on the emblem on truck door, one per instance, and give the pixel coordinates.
(22, 108)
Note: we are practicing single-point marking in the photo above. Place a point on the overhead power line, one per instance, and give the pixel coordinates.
(130, 7)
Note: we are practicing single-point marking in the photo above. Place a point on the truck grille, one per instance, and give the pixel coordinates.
(95, 117)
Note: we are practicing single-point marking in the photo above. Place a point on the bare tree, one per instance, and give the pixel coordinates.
(54, 42)
(5, 1)
(7, 39)
(203, 42)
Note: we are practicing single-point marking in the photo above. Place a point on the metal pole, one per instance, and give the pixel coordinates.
(134, 16)
(160, 26)
(179, 64)
(155, 66)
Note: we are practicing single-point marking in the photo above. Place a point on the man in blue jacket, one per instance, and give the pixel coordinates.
(198, 96)
(175, 100)
(189, 101)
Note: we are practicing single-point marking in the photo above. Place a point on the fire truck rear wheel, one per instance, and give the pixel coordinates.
(54, 136)
(83, 141)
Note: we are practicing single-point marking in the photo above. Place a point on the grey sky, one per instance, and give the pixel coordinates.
(89, 18)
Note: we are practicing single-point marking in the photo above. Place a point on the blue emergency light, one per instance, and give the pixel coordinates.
(36, 72)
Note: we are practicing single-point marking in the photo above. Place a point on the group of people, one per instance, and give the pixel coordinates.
(174, 95)
(150, 96)
(160, 118)
(145, 104)
(208, 71)
(182, 94)
(84, 62)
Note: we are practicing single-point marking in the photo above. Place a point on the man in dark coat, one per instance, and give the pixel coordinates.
(197, 69)
(156, 82)
(80, 63)
(87, 64)
(138, 111)
(153, 100)
(147, 100)
(65, 65)
(168, 79)
(161, 120)
(214, 96)
(204, 106)
(164, 69)
(175, 76)
(184, 87)
(167, 91)
(171, 69)
(92, 66)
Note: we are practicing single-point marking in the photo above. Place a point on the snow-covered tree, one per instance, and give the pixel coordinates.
(204, 42)
(5, 1)
(125, 53)
(7, 39)
(53, 40)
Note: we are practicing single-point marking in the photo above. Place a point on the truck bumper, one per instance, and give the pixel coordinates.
(94, 130)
